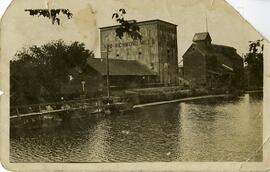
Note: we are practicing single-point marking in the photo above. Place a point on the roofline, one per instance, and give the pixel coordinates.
(201, 33)
(198, 48)
(100, 58)
(141, 22)
(225, 46)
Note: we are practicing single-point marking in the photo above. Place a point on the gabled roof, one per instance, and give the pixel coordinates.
(219, 51)
(214, 50)
(119, 67)
(201, 36)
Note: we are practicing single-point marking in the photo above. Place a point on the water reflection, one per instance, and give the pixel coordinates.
(204, 130)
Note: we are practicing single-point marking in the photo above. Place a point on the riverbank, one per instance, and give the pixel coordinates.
(181, 100)
(170, 94)
(254, 91)
(135, 97)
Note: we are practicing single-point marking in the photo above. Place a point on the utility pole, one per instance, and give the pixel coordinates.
(108, 72)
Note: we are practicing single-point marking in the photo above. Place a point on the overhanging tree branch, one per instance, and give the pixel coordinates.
(51, 14)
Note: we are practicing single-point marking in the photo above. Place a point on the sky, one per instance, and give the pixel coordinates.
(256, 12)
(225, 25)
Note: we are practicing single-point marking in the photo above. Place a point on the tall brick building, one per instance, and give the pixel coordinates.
(157, 49)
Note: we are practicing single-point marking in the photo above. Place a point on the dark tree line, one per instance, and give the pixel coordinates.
(40, 70)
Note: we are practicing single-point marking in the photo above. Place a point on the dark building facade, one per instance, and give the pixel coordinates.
(157, 50)
(212, 66)
(92, 80)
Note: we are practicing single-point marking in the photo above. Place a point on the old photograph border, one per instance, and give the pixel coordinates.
(155, 166)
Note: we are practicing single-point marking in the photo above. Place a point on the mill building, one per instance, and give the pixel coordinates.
(157, 50)
(212, 66)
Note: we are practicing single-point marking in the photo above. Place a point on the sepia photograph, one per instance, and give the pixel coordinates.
(122, 81)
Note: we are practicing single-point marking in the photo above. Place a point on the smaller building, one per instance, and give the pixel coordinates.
(212, 66)
(92, 81)
(123, 73)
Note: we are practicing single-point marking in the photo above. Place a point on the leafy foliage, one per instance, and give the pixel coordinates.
(254, 60)
(51, 14)
(45, 67)
(253, 56)
(129, 27)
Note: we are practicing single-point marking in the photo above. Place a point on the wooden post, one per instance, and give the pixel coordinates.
(83, 86)
(108, 72)
(39, 108)
(18, 113)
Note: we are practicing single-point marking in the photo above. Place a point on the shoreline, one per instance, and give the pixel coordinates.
(180, 100)
(254, 91)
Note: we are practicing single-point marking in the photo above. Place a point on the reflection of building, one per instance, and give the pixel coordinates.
(212, 66)
(123, 74)
(157, 50)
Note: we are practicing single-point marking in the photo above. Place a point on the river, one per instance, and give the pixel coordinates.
(220, 129)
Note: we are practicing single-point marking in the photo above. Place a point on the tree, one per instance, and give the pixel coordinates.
(51, 14)
(129, 27)
(254, 61)
(46, 67)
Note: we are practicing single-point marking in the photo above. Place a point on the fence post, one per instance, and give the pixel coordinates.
(39, 107)
(18, 113)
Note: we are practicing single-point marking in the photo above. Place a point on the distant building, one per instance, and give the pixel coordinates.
(92, 81)
(212, 66)
(157, 50)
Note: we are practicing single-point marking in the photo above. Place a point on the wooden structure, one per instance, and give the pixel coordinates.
(212, 66)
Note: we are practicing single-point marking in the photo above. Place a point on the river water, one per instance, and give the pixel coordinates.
(220, 129)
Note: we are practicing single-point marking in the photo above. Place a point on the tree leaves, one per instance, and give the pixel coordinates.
(115, 15)
(123, 11)
(51, 14)
(46, 66)
(129, 27)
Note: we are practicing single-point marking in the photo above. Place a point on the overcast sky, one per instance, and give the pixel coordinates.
(225, 25)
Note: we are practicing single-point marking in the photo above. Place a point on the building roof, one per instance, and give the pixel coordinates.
(119, 67)
(220, 51)
(213, 49)
(201, 36)
(141, 23)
